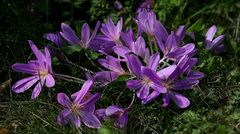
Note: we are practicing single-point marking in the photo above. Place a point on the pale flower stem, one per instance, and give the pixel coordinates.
(133, 99)
(82, 68)
(69, 78)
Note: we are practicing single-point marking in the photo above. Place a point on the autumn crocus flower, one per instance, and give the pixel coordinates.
(143, 84)
(81, 109)
(168, 77)
(40, 69)
(214, 44)
(112, 32)
(116, 113)
(137, 47)
(148, 23)
(69, 34)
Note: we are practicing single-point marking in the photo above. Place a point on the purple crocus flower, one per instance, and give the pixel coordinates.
(148, 23)
(40, 69)
(54, 37)
(171, 48)
(81, 109)
(68, 34)
(115, 69)
(118, 114)
(112, 32)
(214, 44)
(168, 77)
(145, 85)
(138, 47)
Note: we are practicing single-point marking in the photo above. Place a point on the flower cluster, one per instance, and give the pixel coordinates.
(160, 66)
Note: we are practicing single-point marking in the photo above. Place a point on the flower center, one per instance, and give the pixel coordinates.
(146, 80)
(43, 73)
(75, 109)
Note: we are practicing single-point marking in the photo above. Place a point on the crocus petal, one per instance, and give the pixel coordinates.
(217, 41)
(37, 90)
(101, 114)
(36, 51)
(48, 59)
(24, 84)
(166, 99)
(150, 74)
(121, 50)
(106, 76)
(25, 68)
(54, 37)
(50, 82)
(211, 32)
(76, 121)
(63, 117)
(180, 33)
(69, 35)
(154, 61)
(85, 34)
(111, 110)
(143, 92)
(134, 64)
(188, 48)
(150, 97)
(134, 84)
(111, 63)
(95, 30)
(194, 75)
(180, 100)
(121, 121)
(84, 90)
(63, 99)
(90, 120)
(184, 84)
(219, 49)
(92, 100)
(159, 88)
(170, 72)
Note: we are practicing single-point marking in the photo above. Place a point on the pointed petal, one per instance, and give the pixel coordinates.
(158, 88)
(69, 35)
(112, 110)
(170, 72)
(134, 84)
(101, 114)
(150, 74)
(37, 90)
(150, 97)
(180, 33)
(106, 76)
(211, 32)
(143, 92)
(54, 37)
(25, 68)
(154, 61)
(84, 90)
(24, 84)
(36, 51)
(166, 99)
(63, 117)
(134, 64)
(76, 121)
(90, 120)
(63, 99)
(85, 34)
(217, 41)
(121, 121)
